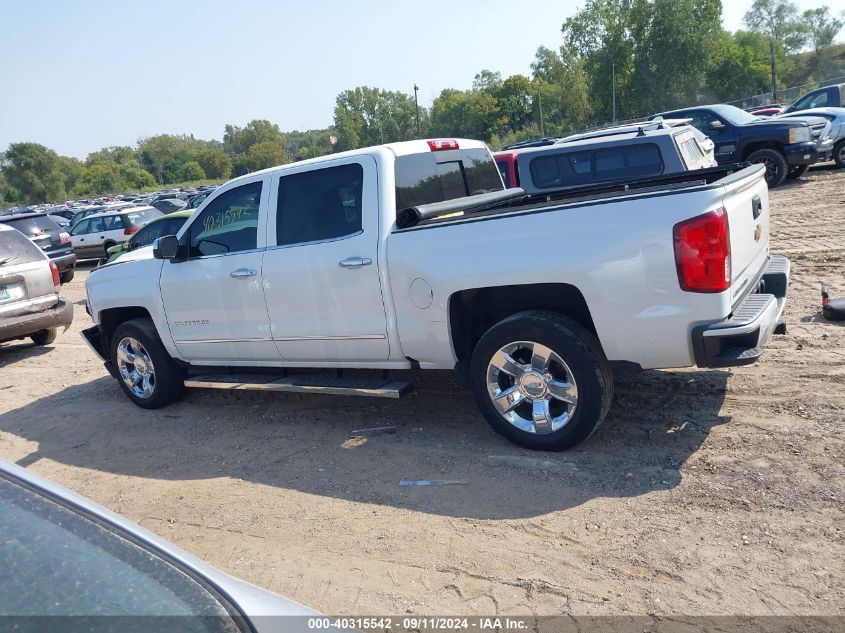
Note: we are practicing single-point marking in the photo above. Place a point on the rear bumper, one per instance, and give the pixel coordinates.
(739, 340)
(64, 262)
(801, 153)
(60, 315)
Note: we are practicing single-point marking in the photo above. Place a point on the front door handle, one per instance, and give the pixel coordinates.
(355, 262)
(241, 273)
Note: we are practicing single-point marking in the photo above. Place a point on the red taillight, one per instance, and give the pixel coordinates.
(55, 270)
(703, 252)
(437, 144)
(131, 230)
(64, 238)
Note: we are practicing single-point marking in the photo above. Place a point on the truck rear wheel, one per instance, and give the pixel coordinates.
(775, 162)
(541, 380)
(144, 369)
(839, 154)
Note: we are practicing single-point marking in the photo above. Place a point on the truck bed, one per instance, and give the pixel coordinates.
(596, 194)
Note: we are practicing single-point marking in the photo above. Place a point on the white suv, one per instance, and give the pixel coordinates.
(96, 234)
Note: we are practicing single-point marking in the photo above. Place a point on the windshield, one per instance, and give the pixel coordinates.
(734, 115)
(55, 561)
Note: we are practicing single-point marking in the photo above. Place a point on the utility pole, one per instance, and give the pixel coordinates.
(540, 104)
(613, 88)
(417, 105)
(774, 71)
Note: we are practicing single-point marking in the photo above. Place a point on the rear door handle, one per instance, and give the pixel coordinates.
(241, 273)
(355, 262)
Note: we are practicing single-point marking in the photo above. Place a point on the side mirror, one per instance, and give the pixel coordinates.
(166, 247)
(717, 125)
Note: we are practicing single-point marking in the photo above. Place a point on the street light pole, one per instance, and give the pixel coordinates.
(540, 105)
(417, 106)
(774, 71)
(613, 85)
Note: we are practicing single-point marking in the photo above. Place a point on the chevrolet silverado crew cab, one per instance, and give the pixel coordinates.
(412, 255)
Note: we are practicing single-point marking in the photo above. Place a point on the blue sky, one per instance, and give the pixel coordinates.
(84, 74)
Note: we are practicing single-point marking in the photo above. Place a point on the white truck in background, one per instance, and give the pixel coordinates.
(412, 256)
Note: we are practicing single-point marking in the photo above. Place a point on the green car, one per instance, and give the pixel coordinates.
(164, 225)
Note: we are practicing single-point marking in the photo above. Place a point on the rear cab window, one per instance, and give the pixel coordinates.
(15, 249)
(444, 175)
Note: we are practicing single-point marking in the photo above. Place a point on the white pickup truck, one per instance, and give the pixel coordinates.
(413, 256)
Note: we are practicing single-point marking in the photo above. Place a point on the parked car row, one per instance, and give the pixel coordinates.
(678, 141)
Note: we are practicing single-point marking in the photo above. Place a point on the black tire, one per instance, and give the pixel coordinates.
(44, 337)
(839, 154)
(169, 377)
(67, 276)
(797, 171)
(583, 356)
(775, 162)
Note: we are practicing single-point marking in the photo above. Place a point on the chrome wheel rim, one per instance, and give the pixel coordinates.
(772, 170)
(532, 387)
(841, 154)
(136, 368)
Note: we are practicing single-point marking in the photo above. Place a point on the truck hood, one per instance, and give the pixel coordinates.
(811, 121)
(145, 252)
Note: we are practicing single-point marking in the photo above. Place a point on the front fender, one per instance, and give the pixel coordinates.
(131, 284)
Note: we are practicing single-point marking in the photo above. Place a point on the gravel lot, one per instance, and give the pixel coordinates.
(705, 492)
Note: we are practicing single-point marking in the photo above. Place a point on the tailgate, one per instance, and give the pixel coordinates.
(746, 201)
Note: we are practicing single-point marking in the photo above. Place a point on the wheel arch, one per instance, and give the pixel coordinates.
(474, 311)
(111, 318)
(753, 146)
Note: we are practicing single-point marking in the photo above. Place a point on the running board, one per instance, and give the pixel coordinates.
(374, 387)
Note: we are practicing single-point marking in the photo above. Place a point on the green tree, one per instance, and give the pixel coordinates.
(367, 116)
(72, 170)
(215, 163)
(164, 154)
(34, 172)
(673, 57)
(563, 88)
(115, 154)
(821, 27)
(111, 177)
(237, 140)
(740, 66)
(468, 113)
(260, 156)
(779, 20)
(191, 170)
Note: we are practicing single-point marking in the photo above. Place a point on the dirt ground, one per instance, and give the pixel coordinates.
(705, 492)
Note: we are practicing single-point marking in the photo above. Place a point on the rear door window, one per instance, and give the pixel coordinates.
(319, 205)
(17, 249)
(113, 223)
(444, 175)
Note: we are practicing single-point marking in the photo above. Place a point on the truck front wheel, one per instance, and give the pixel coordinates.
(541, 380)
(144, 369)
(775, 162)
